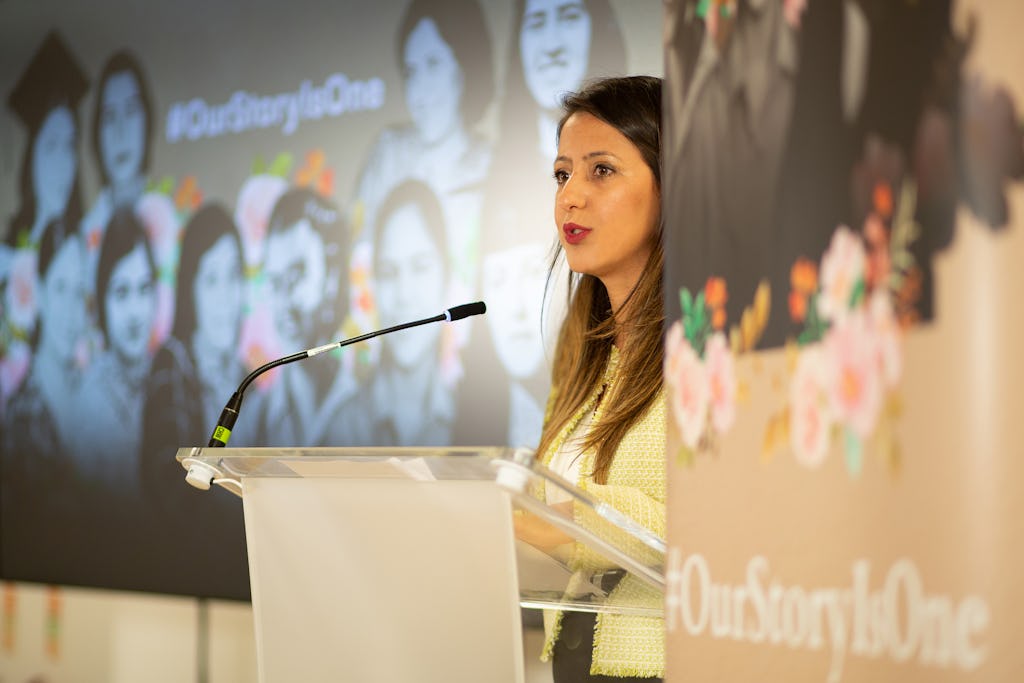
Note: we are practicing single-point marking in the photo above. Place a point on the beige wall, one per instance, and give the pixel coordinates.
(109, 637)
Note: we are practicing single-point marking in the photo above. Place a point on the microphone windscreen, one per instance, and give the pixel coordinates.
(466, 310)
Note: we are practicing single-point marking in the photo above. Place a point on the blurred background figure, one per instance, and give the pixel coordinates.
(555, 46)
(409, 401)
(110, 420)
(198, 367)
(39, 426)
(513, 276)
(46, 99)
(513, 279)
(444, 53)
(192, 376)
(305, 267)
(122, 133)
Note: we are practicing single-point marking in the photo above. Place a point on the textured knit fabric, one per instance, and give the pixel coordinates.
(624, 645)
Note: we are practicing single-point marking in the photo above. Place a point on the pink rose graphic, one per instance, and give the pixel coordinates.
(721, 382)
(22, 292)
(855, 382)
(842, 269)
(689, 391)
(810, 418)
(882, 322)
(792, 10)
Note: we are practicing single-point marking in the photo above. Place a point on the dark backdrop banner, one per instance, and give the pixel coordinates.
(190, 190)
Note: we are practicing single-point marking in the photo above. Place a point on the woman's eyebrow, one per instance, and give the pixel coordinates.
(589, 155)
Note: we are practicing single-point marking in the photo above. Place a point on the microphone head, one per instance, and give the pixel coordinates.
(465, 310)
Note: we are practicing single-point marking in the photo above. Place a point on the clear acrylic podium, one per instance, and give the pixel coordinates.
(398, 565)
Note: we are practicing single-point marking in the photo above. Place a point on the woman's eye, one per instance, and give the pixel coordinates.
(602, 170)
(561, 177)
(534, 21)
(570, 14)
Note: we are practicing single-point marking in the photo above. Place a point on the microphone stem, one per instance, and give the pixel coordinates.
(222, 432)
(305, 354)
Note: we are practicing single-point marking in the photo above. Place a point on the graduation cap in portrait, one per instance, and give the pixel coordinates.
(51, 79)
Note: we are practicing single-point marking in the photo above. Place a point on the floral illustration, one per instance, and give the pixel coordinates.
(810, 411)
(700, 374)
(162, 218)
(255, 201)
(846, 360)
(315, 173)
(19, 304)
(21, 296)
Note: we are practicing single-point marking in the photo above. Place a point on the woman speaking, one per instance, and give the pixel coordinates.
(603, 432)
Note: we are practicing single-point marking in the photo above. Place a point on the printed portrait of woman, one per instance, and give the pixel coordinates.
(198, 367)
(556, 45)
(192, 376)
(121, 137)
(306, 275)
(45, 99)
(40, 486)
(510, 354)
(444, 53)
(550, 55)
(410, 403)
(38, 425)
(109, 416)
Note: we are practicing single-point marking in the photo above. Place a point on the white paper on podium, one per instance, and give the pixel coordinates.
(383, 580)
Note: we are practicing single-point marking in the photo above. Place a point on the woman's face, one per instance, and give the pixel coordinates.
(54, 158)
(554, 41)
(62, 307)
(130, 305)
(433, 82)
(296, 271)
(217, 294)
(607, 205)
(122, 128)
(513, 286)
(409, 272)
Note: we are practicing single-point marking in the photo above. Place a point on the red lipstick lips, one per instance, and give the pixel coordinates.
(574, 234)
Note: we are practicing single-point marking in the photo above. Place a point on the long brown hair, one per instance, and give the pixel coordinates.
(632, 105)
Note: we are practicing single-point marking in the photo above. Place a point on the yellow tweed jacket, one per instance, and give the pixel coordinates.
(624, 645)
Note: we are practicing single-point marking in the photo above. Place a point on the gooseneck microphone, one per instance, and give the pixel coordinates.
(222, 432)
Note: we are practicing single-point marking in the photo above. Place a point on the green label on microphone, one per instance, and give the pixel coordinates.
(222, 434)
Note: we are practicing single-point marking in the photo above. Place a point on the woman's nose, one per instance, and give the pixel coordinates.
(572, 194)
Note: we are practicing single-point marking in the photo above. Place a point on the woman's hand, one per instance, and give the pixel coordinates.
(538, 532)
